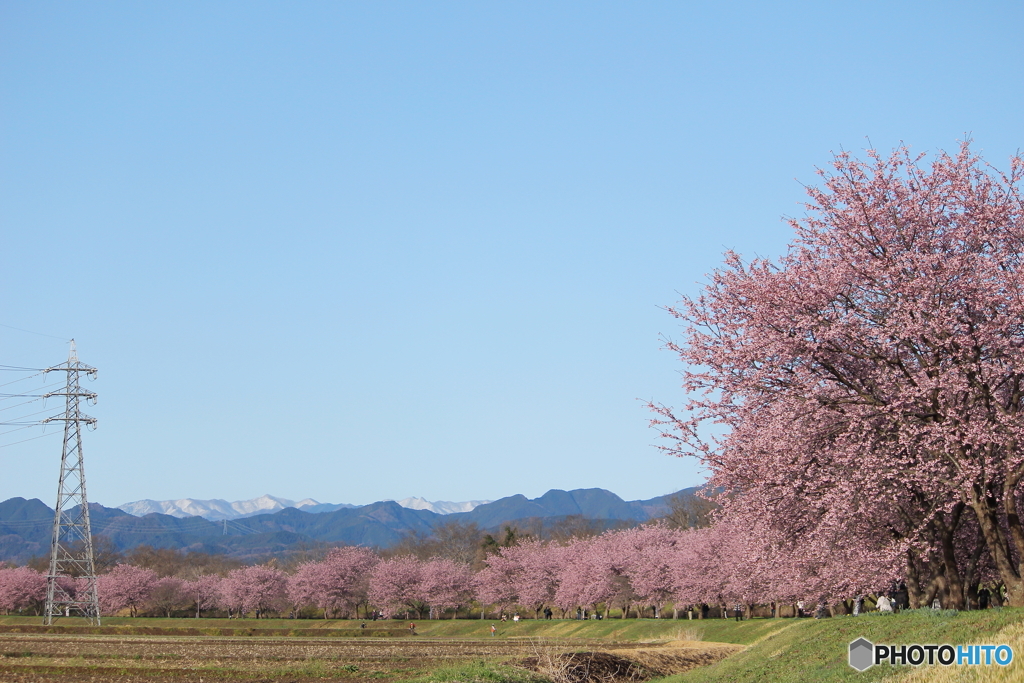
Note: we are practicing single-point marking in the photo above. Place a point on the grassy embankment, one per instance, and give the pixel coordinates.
(810, 650)
(568, 630)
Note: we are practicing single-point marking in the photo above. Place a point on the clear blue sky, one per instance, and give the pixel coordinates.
(357, 251)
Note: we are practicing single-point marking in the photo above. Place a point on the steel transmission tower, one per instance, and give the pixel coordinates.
(71, 555)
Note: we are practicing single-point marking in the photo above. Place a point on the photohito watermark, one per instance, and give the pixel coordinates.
(864, 654)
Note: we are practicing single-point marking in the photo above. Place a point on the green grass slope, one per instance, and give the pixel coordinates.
(801, 650)
(611, 630)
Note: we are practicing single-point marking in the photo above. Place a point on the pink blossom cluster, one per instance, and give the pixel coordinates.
(337, 585)
(21, 589)
(256, 590)
(407, 584)
(643, 568)
(859, 400)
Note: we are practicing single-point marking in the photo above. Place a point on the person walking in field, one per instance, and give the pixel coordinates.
(494, 629)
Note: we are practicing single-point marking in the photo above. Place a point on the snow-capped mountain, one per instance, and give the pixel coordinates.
(218, 509)
(441, 507)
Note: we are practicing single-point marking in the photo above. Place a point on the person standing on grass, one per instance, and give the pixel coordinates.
(494, 629)
(902, 597)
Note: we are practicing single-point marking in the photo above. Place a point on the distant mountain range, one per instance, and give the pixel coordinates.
(25, 525)
(441, 507)
(216, 509)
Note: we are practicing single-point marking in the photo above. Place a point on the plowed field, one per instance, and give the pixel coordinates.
(32, 658)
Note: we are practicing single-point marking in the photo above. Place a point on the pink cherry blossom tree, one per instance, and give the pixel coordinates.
(258, 588)
(397, 585)
(867, 381)
(203, 591)
(535, 568)
(168, 594)
(446, 584)
(586, 575)
(495, 583)
(337, 584)
(21, 588)
(125, 586)
(650, 553)
(572, 578)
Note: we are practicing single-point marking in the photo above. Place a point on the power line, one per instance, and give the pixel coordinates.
(15, 381)
(38, 422)
(129, 528)
(12, 327)
(31, 392)
(25, 426)
(8, 445)
(23, 403)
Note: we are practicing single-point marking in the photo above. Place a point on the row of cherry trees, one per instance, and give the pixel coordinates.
(645, 568)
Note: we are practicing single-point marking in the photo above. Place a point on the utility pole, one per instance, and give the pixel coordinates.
(71, 554)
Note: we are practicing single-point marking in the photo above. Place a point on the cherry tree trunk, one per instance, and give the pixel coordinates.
(998, 546)
(954, 587)
(913, 581)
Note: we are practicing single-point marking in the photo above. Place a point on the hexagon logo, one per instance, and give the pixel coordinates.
(862, 654)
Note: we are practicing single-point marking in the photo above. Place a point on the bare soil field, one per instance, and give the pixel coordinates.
(33, 657)
(78, 658)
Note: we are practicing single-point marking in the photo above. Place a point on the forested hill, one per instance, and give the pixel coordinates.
(26, 525)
